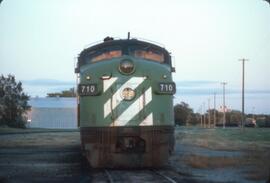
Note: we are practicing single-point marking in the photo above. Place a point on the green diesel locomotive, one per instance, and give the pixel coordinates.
(125, 104)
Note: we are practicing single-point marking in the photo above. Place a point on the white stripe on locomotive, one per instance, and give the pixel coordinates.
(108, 83)
(148, 121)
(133, 110)
(116, 98)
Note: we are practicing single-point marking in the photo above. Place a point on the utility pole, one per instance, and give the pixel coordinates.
(214, 110)
(253, 111)
(243, 92)
(224, 113)
(203, 114)
(209, 114)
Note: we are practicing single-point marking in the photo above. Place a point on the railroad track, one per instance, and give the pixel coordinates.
(164, 176)
(114, 176)
(110, 179)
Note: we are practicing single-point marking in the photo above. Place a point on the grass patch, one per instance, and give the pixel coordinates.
(24, 140)
(258, 175)
(5, 129)
(9, 130)
(247, 134)
(203, 162)
(224, 139)
(253, 144)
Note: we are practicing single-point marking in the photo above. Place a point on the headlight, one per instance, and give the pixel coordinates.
(126, 66)
(128, 94)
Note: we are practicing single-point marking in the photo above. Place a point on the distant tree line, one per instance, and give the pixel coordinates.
(66, 93)
(13, 102)
(184, 115)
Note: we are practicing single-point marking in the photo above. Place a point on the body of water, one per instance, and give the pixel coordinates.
(53, 102)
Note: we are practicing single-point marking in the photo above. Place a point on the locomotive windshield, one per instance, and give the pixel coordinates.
(148, 54)
(114, 49)
(105, 55)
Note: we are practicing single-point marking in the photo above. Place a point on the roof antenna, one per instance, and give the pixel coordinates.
(128, 35)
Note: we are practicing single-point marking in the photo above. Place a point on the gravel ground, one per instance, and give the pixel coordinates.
(41, 157)
(223, 155)
(55, 156)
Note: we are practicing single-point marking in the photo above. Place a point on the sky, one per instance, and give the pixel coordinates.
(41, 39)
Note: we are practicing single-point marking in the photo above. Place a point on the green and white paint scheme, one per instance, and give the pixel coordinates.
(108, 108)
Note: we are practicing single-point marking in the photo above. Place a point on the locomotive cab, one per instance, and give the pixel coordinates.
(125, 109)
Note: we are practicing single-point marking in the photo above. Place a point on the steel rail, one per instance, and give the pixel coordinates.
(109, 176)
(164, 176)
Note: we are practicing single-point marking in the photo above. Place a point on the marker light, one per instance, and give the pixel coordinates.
(105, 77)
(126, 66)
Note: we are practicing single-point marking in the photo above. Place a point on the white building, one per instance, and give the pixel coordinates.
(52, 113)
(227, 109)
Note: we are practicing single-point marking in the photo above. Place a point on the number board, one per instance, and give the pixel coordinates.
(87, 89)
(167, 88)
